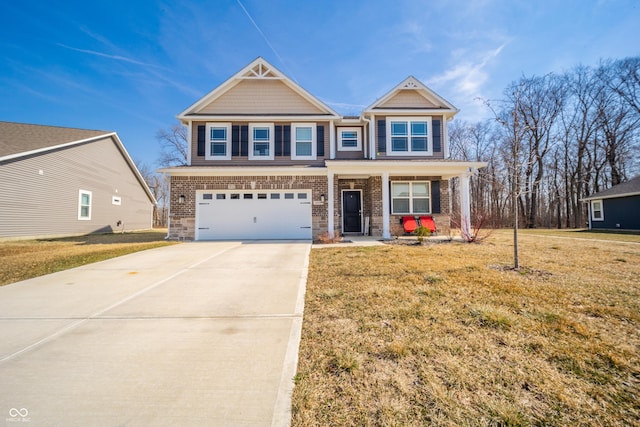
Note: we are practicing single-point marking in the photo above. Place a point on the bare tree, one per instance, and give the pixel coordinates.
(540, 102)
(627, 81)
(159, 186)
(174, 151)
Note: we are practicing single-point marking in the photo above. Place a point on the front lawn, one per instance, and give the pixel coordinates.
(447, 334)
(24, 259)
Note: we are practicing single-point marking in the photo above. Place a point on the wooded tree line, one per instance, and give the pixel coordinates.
(554, 139)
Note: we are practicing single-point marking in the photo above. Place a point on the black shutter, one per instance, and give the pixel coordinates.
(277, 139)
(202, 130)
(244, 140)
(382, 136)
(435, 197)
(286, 139)
(235, 140)
(437, 145)
(320, 141)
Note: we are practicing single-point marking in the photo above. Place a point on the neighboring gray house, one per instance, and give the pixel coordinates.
(57, 181)
(617, 208)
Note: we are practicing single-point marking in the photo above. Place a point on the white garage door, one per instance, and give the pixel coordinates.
(253, 214)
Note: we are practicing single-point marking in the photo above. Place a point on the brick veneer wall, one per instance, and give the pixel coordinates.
(442, 220)
(183, 215)
(372, 203)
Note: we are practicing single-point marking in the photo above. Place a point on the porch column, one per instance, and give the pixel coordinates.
(332, 140)
(330, 205)
(385, 206)
(465, 205)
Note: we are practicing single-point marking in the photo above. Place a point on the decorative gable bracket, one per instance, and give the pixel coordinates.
(261, 71)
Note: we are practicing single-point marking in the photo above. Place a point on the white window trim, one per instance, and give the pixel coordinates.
(429, 151)
(593, 216)
(294, 145)
(207, 152)
(411, 211)
(358, 132)
(271, 155)
(80, 193)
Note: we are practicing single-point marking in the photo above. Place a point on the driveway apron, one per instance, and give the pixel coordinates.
(200, 333)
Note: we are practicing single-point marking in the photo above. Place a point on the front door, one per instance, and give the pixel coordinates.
(351, 211)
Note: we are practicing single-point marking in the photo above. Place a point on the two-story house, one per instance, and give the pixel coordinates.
(268, 160)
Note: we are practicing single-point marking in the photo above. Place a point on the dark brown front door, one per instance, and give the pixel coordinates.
(351, 212)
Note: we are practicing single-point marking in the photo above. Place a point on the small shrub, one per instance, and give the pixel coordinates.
(422, 232)
(326, 238)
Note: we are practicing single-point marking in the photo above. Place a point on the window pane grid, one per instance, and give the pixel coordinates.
(409, 136)
(410, 197)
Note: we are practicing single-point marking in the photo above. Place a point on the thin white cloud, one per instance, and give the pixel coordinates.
(289, 73)
(467, 77)
(467, 81)
(109, 56)
(418, 38)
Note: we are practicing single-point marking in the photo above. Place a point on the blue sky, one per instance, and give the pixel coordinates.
(132, 66)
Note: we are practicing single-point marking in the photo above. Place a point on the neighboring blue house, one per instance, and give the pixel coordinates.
(617, 208)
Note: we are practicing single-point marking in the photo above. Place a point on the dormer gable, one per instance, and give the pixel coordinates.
(411, 96)
(258, 89)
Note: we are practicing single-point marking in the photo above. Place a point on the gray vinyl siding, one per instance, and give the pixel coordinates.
(436, 155)
(40, 193)
(244, 160)
(620, 213)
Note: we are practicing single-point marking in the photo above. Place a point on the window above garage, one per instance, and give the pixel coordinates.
(218, 141)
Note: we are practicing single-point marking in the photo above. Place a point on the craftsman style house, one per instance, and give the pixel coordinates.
(268, 160)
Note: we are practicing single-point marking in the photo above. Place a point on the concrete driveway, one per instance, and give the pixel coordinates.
(200, 333)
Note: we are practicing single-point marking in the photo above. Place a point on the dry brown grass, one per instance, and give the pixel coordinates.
(31, 258)
(448, 335)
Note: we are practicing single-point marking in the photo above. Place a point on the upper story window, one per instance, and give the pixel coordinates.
(84, 205)
(409, 136)
(349, 139)
(304, 141)
(410, 197)
(261, 145)
(219, 141)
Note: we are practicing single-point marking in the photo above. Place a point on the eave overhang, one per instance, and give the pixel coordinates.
(445, 169)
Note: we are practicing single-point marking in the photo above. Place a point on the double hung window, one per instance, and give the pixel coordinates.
(349, 139)
(304, 141)
(261, 144)
(597, 213)
(409, 136)
(84, 205)
(219, 141)
(413, 197)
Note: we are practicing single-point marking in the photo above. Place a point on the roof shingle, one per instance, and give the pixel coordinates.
(627, 188)
(18, 138)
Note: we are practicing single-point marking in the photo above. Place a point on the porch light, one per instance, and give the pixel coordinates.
(322, 198)
(181, 199)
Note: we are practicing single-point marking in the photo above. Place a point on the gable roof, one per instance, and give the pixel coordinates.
(624, 189)
(18, 139)
(23, 139)
(408, 89)
(258, 71)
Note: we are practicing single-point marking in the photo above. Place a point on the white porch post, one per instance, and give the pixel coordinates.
(385, 206)
(330, 205)
(465, 205)
(332, 140)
